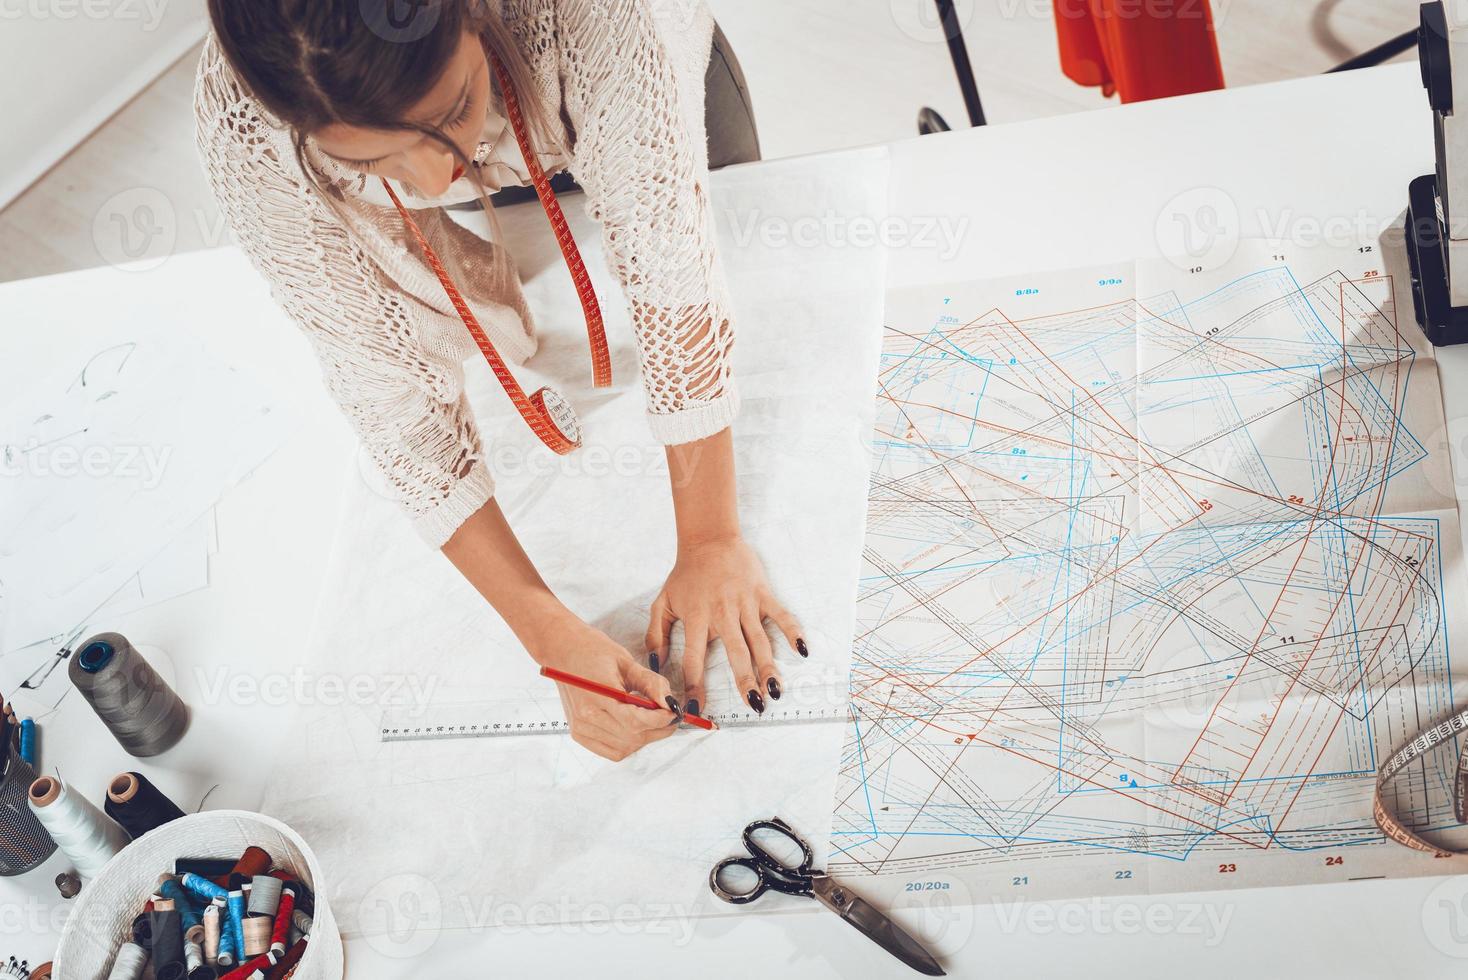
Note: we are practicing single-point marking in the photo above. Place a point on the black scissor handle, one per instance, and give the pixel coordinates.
(787, 881)
(768, 870)
(767, 859)
(738, 898)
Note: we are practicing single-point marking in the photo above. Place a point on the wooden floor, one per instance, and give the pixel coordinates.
(824, 74)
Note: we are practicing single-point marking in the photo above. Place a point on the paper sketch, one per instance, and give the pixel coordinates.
(110, 459)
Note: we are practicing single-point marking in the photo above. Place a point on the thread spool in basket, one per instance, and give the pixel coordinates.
(98, 922)
(211, 933)
(128, 963)
(85, 834)
(264, 896)
(24, 842)
(257, 935)
(167, 953)
(143, 713)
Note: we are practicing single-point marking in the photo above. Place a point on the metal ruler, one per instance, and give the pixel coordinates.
(509, 720)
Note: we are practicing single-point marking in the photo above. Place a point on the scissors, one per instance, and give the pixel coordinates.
(782, 873)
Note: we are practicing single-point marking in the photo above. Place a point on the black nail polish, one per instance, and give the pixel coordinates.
(653, 661)
(800, 647)
(773, 686)
(692, 707)
(756, 702)
(672, 704)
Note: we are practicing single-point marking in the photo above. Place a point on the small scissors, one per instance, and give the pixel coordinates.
(784, 875)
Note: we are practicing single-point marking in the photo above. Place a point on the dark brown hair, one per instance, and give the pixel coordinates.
(363, 63)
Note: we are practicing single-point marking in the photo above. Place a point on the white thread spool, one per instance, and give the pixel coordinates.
(131, 958)
(84, 833)
(194, 949)
(211, 933)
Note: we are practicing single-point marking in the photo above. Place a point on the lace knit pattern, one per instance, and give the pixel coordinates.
(628, 75)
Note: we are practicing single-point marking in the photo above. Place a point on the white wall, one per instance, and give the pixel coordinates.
(67, 65)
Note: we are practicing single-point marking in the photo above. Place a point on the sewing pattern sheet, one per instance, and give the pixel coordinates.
(1161, 562)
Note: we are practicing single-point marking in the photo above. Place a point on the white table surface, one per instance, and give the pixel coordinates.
(1312, 156)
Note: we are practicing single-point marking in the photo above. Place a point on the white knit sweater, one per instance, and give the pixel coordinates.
(629, 76)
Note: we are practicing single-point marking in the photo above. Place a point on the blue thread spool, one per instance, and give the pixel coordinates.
(28, 742)
(229, 953)
(204, 888)
(237, 921)
(172, 890)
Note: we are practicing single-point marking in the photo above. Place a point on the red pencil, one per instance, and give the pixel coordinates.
(561, 677)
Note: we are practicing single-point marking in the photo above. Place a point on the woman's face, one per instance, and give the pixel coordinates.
(456, 106)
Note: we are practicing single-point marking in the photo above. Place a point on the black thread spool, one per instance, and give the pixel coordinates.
(167, 944)
(24, 843)
(137, 706)
(138, 805)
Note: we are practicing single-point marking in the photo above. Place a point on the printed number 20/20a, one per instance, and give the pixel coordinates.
(926, 886)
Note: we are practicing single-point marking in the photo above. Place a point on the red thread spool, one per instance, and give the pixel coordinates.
(255, 861)
(288, 962)
(283, 919)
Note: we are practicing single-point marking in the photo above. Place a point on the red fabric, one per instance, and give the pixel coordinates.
(1142, 49)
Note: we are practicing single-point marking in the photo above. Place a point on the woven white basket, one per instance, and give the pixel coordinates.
(104, 913)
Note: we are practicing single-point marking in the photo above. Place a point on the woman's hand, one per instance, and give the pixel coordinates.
(611, 730)
(719, 590)
(489, 555)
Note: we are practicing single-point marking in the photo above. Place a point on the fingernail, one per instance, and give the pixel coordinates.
(652, 661)
(756, 702)
(800, 647)
(692, 707)
(672, 704)
(773, 685)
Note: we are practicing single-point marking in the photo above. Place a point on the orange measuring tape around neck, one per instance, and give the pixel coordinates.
(549, 416)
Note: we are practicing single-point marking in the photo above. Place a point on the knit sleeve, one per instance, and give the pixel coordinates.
(637, 157)
(408, 410)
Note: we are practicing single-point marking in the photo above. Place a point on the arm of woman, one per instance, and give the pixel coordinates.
(637, 157)
(487, 553)
(718, 586)
(409, 412)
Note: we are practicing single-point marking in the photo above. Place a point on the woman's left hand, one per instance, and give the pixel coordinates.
(718, 590)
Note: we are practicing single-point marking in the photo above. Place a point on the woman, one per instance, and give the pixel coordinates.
(333, 131)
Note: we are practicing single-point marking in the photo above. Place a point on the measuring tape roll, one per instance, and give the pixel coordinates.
(1387, 819)
(560, 414)
(547, 413)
